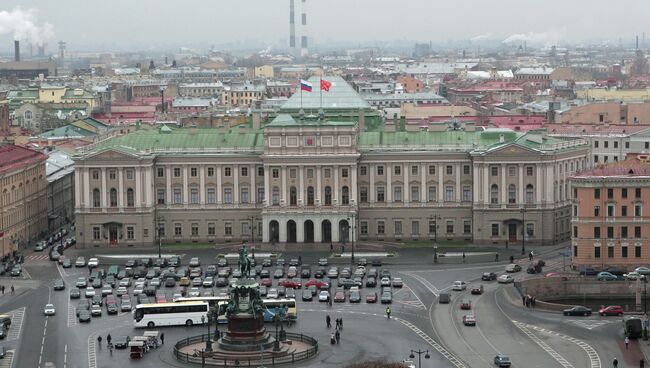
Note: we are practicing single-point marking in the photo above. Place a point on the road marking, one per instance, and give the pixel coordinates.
(40, 356)
(594, 358)
(589, 324)
(411, 303)
(16, 323)
(8, 360)
(92, 352)
(72, 315)
(135, 256)
(41, 257)
(65, 355)
(559, 358)
(424, 282)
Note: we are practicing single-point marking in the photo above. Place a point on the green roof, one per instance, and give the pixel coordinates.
(286, 120)
(341, 96)
(68, 131)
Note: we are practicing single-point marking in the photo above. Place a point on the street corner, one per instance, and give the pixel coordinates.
(407, 297)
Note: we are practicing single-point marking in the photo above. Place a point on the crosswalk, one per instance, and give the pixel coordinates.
(8, 360)
(16, 323)
(72, 315)
(37, 257)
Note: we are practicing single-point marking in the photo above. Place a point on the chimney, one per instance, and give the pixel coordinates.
(17, 50)
(292, 26)
(304, 51)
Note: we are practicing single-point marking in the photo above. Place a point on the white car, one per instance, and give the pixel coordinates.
(194, 292)
(505, 279)
(90, 292)
(93, 262)
(138, 290)
(194, 262)
(642, 270)
(122, 290)
(272, 293)
(459, 286)
(385, 281)
(49, 310)
(324, 296)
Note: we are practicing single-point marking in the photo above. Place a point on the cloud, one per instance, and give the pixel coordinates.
(23, 25)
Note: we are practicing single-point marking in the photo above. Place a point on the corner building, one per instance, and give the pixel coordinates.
(301, 177)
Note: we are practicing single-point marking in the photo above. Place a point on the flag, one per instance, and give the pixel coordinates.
(305, 86)
(325, 85)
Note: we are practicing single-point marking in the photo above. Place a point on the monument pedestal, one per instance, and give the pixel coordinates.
(246, 332)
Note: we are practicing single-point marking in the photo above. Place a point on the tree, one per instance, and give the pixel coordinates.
(377, 364)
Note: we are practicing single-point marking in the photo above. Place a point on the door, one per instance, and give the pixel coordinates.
(512, 232)
(112, 234)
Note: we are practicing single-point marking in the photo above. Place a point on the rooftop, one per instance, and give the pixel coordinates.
(286, 120)
(15, 157)
(635, 165)
(341, 96)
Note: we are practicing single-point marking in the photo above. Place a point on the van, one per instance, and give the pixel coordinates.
(444, 298)
(113, 270)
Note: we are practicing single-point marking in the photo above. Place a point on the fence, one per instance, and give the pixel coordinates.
(254, 360)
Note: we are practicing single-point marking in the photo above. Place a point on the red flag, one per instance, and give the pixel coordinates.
(325, 85)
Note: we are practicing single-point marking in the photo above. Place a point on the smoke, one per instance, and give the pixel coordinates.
(23, 25)
(481, 37)
(538, 38)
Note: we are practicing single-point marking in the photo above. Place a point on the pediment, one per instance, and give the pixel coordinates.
(111, 155)
(513, 150)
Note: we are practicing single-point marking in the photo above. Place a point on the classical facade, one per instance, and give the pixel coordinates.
(324, 179)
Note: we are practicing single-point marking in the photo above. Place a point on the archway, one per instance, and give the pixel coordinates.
(344, 231)
(291, 231)
(274, 231)
(326, 227)
(309, 231)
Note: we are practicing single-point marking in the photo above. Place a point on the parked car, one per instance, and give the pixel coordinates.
(386, 297)
(272, 293)
(469, 320)
(293, 284)
(339, 297)
(489, 276)
(634, 276)
(578, 310)
(397, 282)
(642, 270)
(612, 310)
(323, 262)
(93, 262)
(588, 271)
(307, 295)
(371, 297)
(355, 296)
(324, 296)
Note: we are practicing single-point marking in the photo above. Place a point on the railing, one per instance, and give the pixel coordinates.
(255, 360)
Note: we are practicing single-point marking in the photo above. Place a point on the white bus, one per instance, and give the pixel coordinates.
(170, 314)
(220, 302)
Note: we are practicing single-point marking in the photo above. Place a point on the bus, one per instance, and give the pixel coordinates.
(220, 301)
(170, 314)
(271, 306)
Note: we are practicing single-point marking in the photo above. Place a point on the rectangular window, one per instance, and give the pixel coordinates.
(610, 193)
(606, 144)
(260, 195)
(145, 233)
(178, 230)
(380, 170)
(597, 193)
(494, 170)
(194, 172)
(293, 173)
(397, 194)
(637, 192)
(610, 210)
(530, 230)
(178, 196)
(432, 227)
(637, 252)
(595, 144)
(432, 194)
(597, 232)
(467, 193)
(363, 170)
(432, 169)
(397, 170)
(512, 171)
(596, 252)
(624, 211)
(380, 194)
(450, 170)
(637, 232)
(344, 172)
(414, 170)
(160, 195)
(624, 192)
(243, 195)
(227, 171)
(260, 171)
(637, 210)
(381, 228)
(310, 173)
(449, 193)
(647, 145)
(467, 226)
(327, 173)
(177, 172)
(529, 171)
(211, 229)
(161, 229)
(495, 230)
(210, 171)
(364, 227)
(227, 195)
(363, 194)
(466, 170)
(610, 232)
(624, 232)
(112, 174)
(212, 196)
(415, 194)
(129, 175)
(575, 231)
(415, 228)
(160, 172)
(96, 174)
(398, 227)
(195, 229)
(227, 229)
(244, 171)
(96, 232)
(275, 173)
(246, 229)
(610, 250)
(575, 251)
(627, 144)
(450, 227)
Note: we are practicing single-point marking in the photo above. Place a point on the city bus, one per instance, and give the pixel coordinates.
(271, 306)
(170, 314)
(220, 301)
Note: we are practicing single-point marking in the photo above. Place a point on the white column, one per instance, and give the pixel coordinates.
(441, 183)
(169, 185)
(77, 189)
(423, 184)
(486, 183)
(301, 192)
(318, 186)
(353, 190)
(283, 195)
(265, 224)
(267, 186)
(549, 183)
(120, 191)
(283, 230)
(202, 185)
(538, 183)
(300, 231)
(335, 231)
(389, 183)
(87, 190)
(406, 193)
(504, 190)
(138, 187)
(219, 187)
(253, 191)
(337, 198)
(149, 187)
(521, 184)
(318, 231)
(186, 194)
(371, 171)
(235, 194)
(458, 168)
(104, 191)
(476, 193)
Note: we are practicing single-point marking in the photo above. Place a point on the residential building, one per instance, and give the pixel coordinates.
(59, 169)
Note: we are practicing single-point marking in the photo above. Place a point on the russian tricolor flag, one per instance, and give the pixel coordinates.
(305, 86)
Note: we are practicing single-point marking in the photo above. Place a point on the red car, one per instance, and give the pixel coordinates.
(339, 297)
(466, 304)
(371, 298)
(160, 299)
(477, 290)
(266, 282)
(612, 310)
(469, 320)
(318, 283)
(290, 284)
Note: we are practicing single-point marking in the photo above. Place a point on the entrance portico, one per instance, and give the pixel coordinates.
(303, 228)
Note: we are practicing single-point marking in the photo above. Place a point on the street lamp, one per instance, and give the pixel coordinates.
(208, 342)
(523, 227)
(159, 220)
(353, 224)
(435, 218)
(419, 353)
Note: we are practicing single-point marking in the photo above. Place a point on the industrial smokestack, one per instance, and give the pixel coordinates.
(292, 26)
(17, 50)
(304, 50)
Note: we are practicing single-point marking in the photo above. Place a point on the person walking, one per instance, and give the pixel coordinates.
(108, 339)
(523, 300)
(341, 323)
(496, 257)
(337, 335)
(331, 247)
(337, 323)
(388, 312)
(506, 244)
(642, 363)
(627, 342)
(615, 363)
(162, 338)
(530, 256)
(463, 256)
(512, 259)
(328, 321)
(99, 341)
(13, 291)
(342, 248)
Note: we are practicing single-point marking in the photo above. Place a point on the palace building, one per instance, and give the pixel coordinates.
(324, 169)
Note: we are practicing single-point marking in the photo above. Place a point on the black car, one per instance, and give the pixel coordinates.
(84, 316)
(83, 305)
(150, 291)
(489, 276)
(305, 273)
(170, 282)
(588, 271)
(59, 284)
(121, 342)
(307, 296)
(346, 283)
(221, 282)
(376, 262)
(75, 293)
(211, 271)
(131, 263)
(614, 271)
(578, 310)
(319, 273)
(111, 308)
(355, 297)
(371, 282)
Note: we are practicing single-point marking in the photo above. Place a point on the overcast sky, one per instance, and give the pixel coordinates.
(124, 23)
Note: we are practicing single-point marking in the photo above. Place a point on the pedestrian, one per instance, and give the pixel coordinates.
(99, 341)
(3, 290)
(512, 259)
(641, 363)
(627, 342)
(341, 323)
(532, 302)
(13, 291)
(337, 335)
(530, 256)
(506, 244)
(331, 247)
(342, 248)
(496, 257)
(108, 339)
(162, 338)
(463, 256)
(388, 312)
(299, 260)
(523, 300)
(615, 362)
(328, 321)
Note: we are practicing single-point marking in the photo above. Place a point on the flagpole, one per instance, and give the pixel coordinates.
(300, 95)
(321, 93)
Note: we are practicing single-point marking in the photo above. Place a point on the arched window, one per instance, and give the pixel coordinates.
(530, 194)
(113, 197)
(96, 198)
(345, 195)
(293, 196)
(275, 198)
(512, 193)
(328, 196)
(28, 115)
(310, 196)
(494, 194)
(130, 202)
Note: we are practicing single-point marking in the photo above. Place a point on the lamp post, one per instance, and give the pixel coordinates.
(353, 224)
(435, 218)
(208, 342)
(419, 353)
(523, 227)
(159, 219)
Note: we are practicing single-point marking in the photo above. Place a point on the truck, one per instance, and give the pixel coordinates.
(632, 327)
